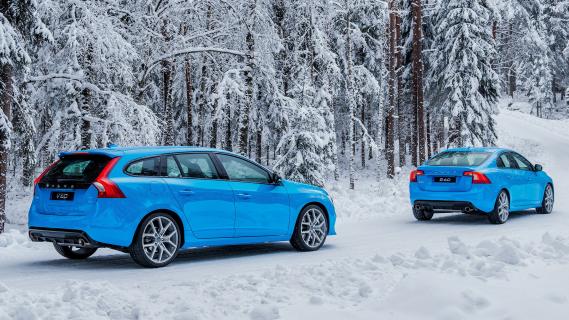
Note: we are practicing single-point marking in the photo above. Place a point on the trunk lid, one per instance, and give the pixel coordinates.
(445, 178)
(66, 188)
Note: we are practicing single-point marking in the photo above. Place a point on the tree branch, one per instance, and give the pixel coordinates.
(185, 52)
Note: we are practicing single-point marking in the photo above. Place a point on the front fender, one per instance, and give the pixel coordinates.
(302, 195)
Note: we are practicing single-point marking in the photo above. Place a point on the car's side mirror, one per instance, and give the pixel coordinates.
(538, 167)
(275, 178)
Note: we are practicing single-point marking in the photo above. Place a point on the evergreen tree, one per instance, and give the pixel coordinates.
(20, 26)
(463, 85)
(308, 151)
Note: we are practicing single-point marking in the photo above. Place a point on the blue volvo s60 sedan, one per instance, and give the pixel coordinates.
(153, 201)
(489, 181)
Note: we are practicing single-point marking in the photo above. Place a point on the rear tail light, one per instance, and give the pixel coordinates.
(38, 179)
(106, 187)
(414, 174)
(477, 177)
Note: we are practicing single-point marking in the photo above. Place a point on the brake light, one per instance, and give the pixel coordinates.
(477, 177)
(38, 179)
(414, 174)
(106, 187)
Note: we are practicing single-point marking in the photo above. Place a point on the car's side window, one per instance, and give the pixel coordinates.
(242, 170)
(172, 168)
(522, 162)
(148, 167)
(197, 165)
(503, 161)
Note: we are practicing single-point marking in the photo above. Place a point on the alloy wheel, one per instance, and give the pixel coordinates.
(160, 239)
(313, 228)
(548, 198)
(503, 207)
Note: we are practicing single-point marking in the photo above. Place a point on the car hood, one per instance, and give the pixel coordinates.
(304, 187)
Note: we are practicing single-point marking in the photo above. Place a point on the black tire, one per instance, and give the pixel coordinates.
(74, 253)
(497, 216)
(320, 231)
(545, 209)
(423, 214)
(137, 249)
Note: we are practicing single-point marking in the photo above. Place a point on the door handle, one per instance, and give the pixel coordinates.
(186, 192)
(244, 196)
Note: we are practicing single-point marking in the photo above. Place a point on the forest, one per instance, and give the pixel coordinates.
(316, 90)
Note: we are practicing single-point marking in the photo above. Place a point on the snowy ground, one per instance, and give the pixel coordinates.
(382, 265)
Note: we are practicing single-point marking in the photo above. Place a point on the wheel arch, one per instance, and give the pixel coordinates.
(321, 206)
(507, 192)
(173, 214)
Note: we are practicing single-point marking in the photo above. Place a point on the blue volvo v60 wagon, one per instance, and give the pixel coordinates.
(488, 181)
(153, 201)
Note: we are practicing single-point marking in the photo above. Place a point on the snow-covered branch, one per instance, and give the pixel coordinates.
(183, 52)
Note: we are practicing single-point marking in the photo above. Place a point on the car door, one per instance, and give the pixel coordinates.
(509, 172)
(528, 179)
(262, 208)
(206, 199)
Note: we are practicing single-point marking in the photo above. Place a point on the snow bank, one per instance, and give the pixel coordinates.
(371, 199)
(17, 205)
(74, 300)
(483, 282)
(338, 286)
(14, 238)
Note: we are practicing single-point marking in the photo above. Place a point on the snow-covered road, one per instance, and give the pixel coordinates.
(382, 263)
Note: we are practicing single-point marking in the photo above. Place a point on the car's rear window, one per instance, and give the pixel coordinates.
(459, 158)
(77, 169)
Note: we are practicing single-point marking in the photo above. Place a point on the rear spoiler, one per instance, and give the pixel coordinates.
(112, 154)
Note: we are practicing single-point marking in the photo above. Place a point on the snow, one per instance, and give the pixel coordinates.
(382, 265)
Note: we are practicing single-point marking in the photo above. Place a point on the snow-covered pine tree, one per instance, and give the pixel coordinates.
(463, 86)
(24, 133)
(19, 24)
(538, 86)
(307, 152)
(423, 135)
(349, 89)
(556, 21)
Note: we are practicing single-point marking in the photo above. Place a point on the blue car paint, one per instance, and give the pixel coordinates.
(525, 188)
(269, 217)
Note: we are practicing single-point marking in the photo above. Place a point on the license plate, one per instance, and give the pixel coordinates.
(62, 196)
(445, 179)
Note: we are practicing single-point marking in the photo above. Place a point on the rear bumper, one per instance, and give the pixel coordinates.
(480, 197)
(111, 222)
(435, 205)
(63, 237)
